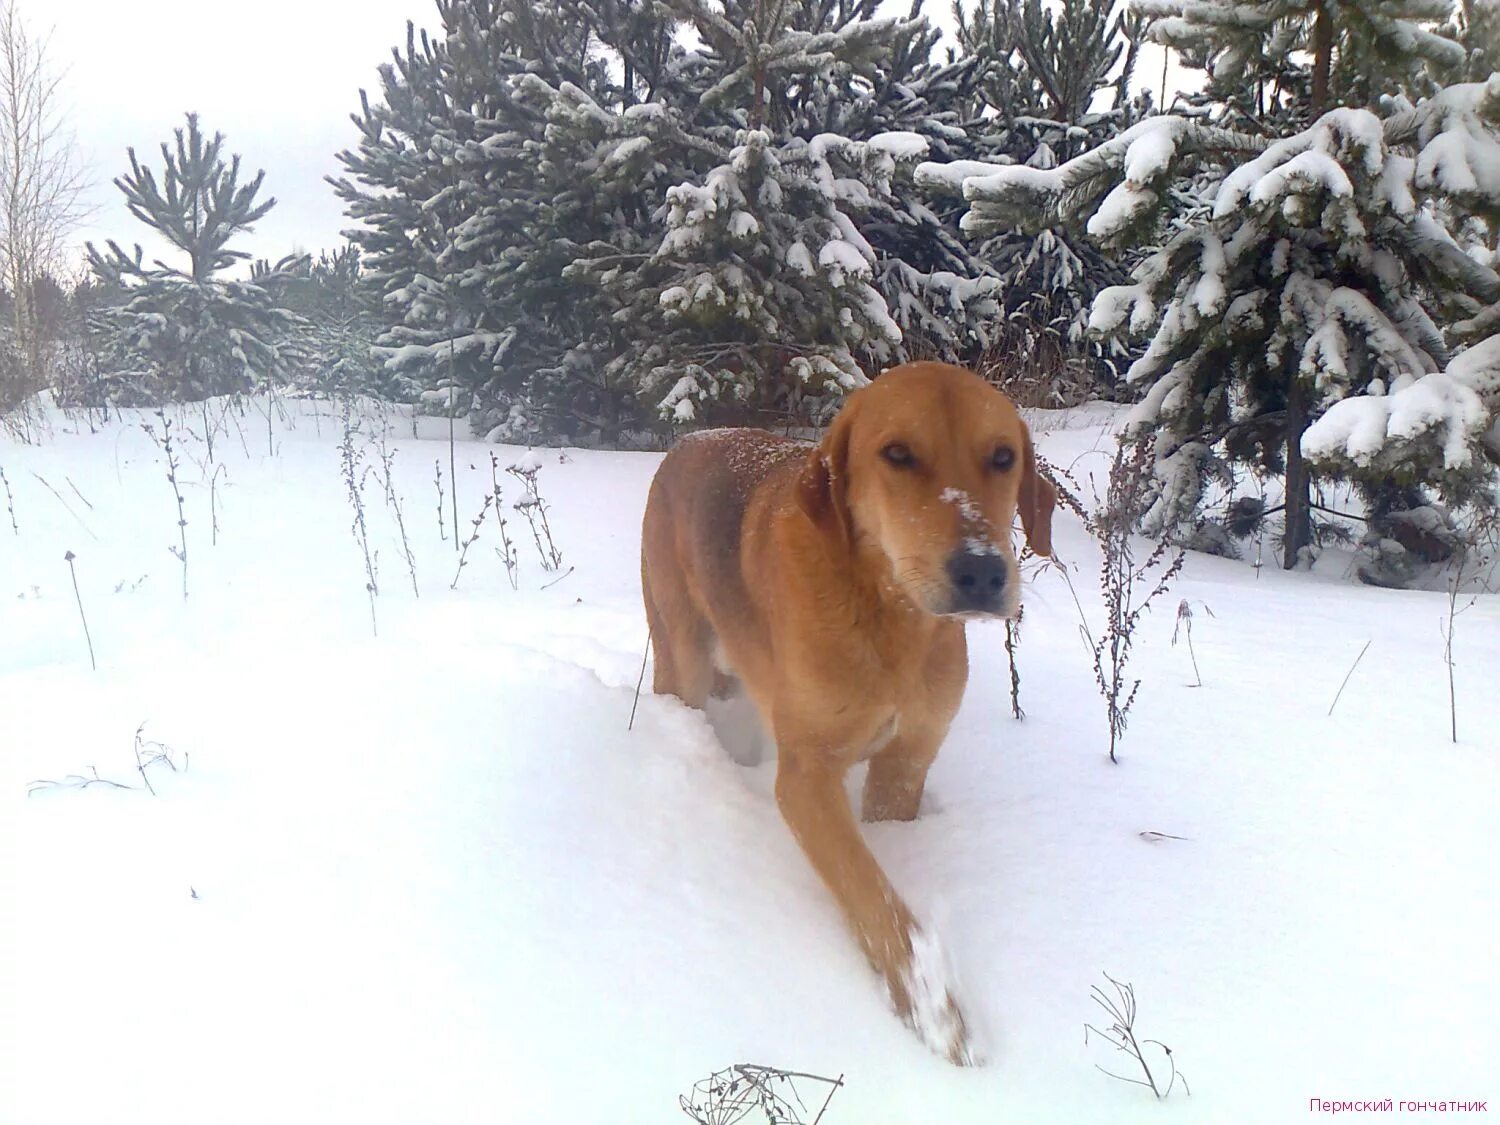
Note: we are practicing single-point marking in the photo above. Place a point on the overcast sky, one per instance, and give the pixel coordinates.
(278, 78)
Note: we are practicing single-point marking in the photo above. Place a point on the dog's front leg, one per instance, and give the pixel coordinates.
(810, 793)
(898, 775)
(898, 772)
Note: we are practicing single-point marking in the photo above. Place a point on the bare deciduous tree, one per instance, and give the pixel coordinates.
(41, 185)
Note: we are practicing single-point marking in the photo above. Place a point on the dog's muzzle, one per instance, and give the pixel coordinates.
(978, 582)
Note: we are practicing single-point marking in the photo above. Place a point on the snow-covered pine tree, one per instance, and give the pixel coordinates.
(799, 254)
(546, 138)
(469, 225)
(939, 290)
(334, 352)
(1055, 81)
(1321, 274)
(760, 294)
(193, 331)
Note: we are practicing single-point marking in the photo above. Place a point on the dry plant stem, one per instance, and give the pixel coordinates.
(1454, 610)
(61, 499)
(1121, 1008)
(393, 502)
(81, 616)
(1012, 642)
(73, 781)
(213, 504)
(149, 752)
(78, 494)
(1347, 674)
(140, 762)
(534, 508)
(229, 414)
(452, 465)
(1184, 623)
(559, 578)
(437, 464)
(639, 680)
(463, 553)
(1121, 577)
(10, 503)
(507, 549)
(170, 451)
(208, 432)
(745, 1093)
(350, 458)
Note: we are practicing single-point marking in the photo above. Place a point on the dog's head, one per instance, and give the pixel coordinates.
(930, 464)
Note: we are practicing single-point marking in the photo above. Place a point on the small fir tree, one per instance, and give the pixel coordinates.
(194, 331)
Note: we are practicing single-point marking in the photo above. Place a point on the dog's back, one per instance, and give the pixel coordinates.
(696, 514)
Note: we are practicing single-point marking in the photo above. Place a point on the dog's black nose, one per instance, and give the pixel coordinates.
(978, 582)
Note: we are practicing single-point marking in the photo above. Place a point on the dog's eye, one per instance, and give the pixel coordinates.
(898, 454)
(1003, 458)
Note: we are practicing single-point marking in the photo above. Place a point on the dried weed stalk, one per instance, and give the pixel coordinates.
(534, 508)
(1129, 584)
(1184, 626)
(507, 549)
(475, 525)
(10, 503)
(393, 503)
(169, 450)
(351, 461)
(1121, 1035)
(69, 557)
(746, 1093)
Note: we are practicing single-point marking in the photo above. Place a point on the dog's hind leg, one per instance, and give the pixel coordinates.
(681, 638)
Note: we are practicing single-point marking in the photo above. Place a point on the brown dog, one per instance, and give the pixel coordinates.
(834, 582)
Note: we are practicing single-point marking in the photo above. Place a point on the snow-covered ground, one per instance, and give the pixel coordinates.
(431, 876)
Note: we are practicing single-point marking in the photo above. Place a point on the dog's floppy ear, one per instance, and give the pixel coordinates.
(823, 490)
(1036, 502)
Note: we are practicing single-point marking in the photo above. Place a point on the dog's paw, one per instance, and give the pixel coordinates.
(930, 1008)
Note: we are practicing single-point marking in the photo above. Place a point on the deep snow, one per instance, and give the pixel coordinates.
(430, 876)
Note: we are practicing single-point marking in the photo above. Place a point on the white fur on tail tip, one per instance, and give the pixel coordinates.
(935, 1015)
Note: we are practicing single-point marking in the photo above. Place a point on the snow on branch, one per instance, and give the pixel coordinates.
(1143, 159)
(1451, 409)
(1377, 430)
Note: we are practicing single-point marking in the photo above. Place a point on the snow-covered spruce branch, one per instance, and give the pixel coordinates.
(1117, 189)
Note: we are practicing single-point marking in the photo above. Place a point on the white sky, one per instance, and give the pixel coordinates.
(278, 78)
